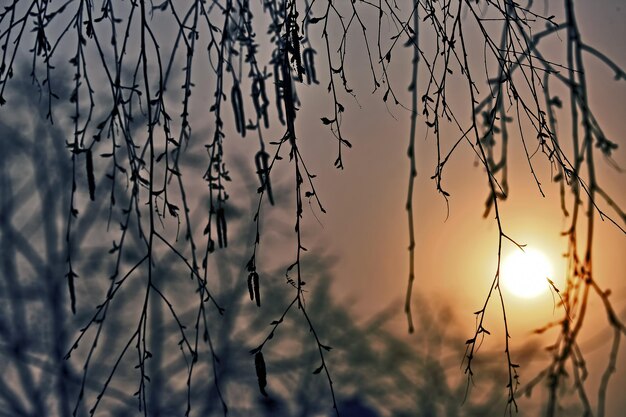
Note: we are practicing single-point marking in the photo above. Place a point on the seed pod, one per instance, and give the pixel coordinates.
(289, 97)
(259, 98)
(70, 283)
(257, 290)
(90, 178)
(309, 65)
(262, 169)
(261, 373)
(266, 102)
(256, 93)
(222, 240)
(237, 102)
(279, 91)
(295, 39)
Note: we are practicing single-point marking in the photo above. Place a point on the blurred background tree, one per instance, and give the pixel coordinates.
(103, 205)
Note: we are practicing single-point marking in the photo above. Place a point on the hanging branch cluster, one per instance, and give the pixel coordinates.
(122, 130)
(519, 93)
(125, 141)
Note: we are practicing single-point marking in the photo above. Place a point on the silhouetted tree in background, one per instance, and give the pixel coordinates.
(123, 85)
(374, 371)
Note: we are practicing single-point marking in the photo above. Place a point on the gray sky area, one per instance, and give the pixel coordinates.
(356, 262)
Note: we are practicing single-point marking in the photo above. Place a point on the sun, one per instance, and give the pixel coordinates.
(525, 274)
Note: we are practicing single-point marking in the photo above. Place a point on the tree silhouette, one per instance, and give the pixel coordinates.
(115, 82)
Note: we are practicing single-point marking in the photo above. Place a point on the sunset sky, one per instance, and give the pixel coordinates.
(366, 222)
(362, 238)
(366, 228)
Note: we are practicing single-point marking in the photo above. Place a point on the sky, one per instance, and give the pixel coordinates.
(365, 227)
(363, 234)
(366, 220)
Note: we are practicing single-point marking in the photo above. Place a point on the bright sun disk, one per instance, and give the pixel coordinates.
(525, 274)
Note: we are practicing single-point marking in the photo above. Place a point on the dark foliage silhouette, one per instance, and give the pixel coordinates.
(120, 193)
